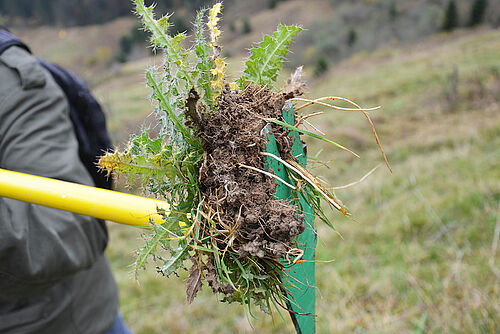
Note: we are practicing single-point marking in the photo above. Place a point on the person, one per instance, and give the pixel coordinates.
(54, 276)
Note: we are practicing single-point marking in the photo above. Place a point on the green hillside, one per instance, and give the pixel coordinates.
(421, 254)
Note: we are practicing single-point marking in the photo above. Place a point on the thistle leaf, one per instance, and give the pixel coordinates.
(157, 28)
(149, 249)
(266, 60)
(204, 62)
(143, 164)
(175, 261)
(160, 38)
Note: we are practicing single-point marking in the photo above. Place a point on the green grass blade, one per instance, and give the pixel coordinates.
(314, 135)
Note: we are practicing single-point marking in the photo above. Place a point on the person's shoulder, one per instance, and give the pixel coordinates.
(20, 70)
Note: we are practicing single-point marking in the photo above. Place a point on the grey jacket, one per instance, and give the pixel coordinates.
(54, 277)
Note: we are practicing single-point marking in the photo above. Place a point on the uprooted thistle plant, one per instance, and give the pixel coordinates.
(207, 162)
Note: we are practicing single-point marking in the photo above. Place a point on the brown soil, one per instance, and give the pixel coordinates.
(242, 201)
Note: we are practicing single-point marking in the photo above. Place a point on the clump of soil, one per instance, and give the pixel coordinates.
(243, 200)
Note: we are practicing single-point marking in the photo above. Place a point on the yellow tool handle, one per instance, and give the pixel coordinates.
(95, 202)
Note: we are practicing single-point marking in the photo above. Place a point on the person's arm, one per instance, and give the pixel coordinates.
(39, 246)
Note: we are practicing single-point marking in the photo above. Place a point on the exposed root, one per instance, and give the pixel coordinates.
(240, 211)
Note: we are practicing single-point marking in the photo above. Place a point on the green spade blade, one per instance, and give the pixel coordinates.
(301, 281)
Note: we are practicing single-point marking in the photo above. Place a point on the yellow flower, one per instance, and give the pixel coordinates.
(212, 23)
(218, 72)
(233, 86)
(183, 227)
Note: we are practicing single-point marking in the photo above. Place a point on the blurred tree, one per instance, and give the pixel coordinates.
(78, 12)
(126, 44)
(272, 4)
(120, 57)
(21, 8)
(352, 36)
(136, 36)
(43, 10)
(477, 12)
(393, 11)
(247, 27)
(450, 17)
(321, 66)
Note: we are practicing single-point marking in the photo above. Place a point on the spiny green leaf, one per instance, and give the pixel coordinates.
(149, 249)
(170, 103)
(265, 61)
(160, 38)
(175, 260)
(204, 62)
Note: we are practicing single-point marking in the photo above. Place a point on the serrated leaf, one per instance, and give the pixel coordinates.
(149, 249)
(265, 61)
(204, 63)
(160, 38)
(174, 262)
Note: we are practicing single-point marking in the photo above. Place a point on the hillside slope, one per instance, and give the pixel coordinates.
(421, 254)
(84, 50)
(333, 30)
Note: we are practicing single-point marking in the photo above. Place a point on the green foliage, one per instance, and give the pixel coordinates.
(69, 12)
(266, 60)
(450, 17)
(168, 165)
(477, 12)
(204, 62)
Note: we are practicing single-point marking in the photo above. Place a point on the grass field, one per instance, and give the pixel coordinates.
(421, 254)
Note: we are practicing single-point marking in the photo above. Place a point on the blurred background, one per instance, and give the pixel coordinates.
(422, 252)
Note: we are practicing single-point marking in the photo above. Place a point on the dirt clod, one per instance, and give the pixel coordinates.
(241, 200)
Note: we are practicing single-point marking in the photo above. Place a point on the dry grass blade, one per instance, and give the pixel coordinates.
(315, 128)
(364, 111)
(311, 179)
(356, 182)
(319, 101)
(306, 117)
